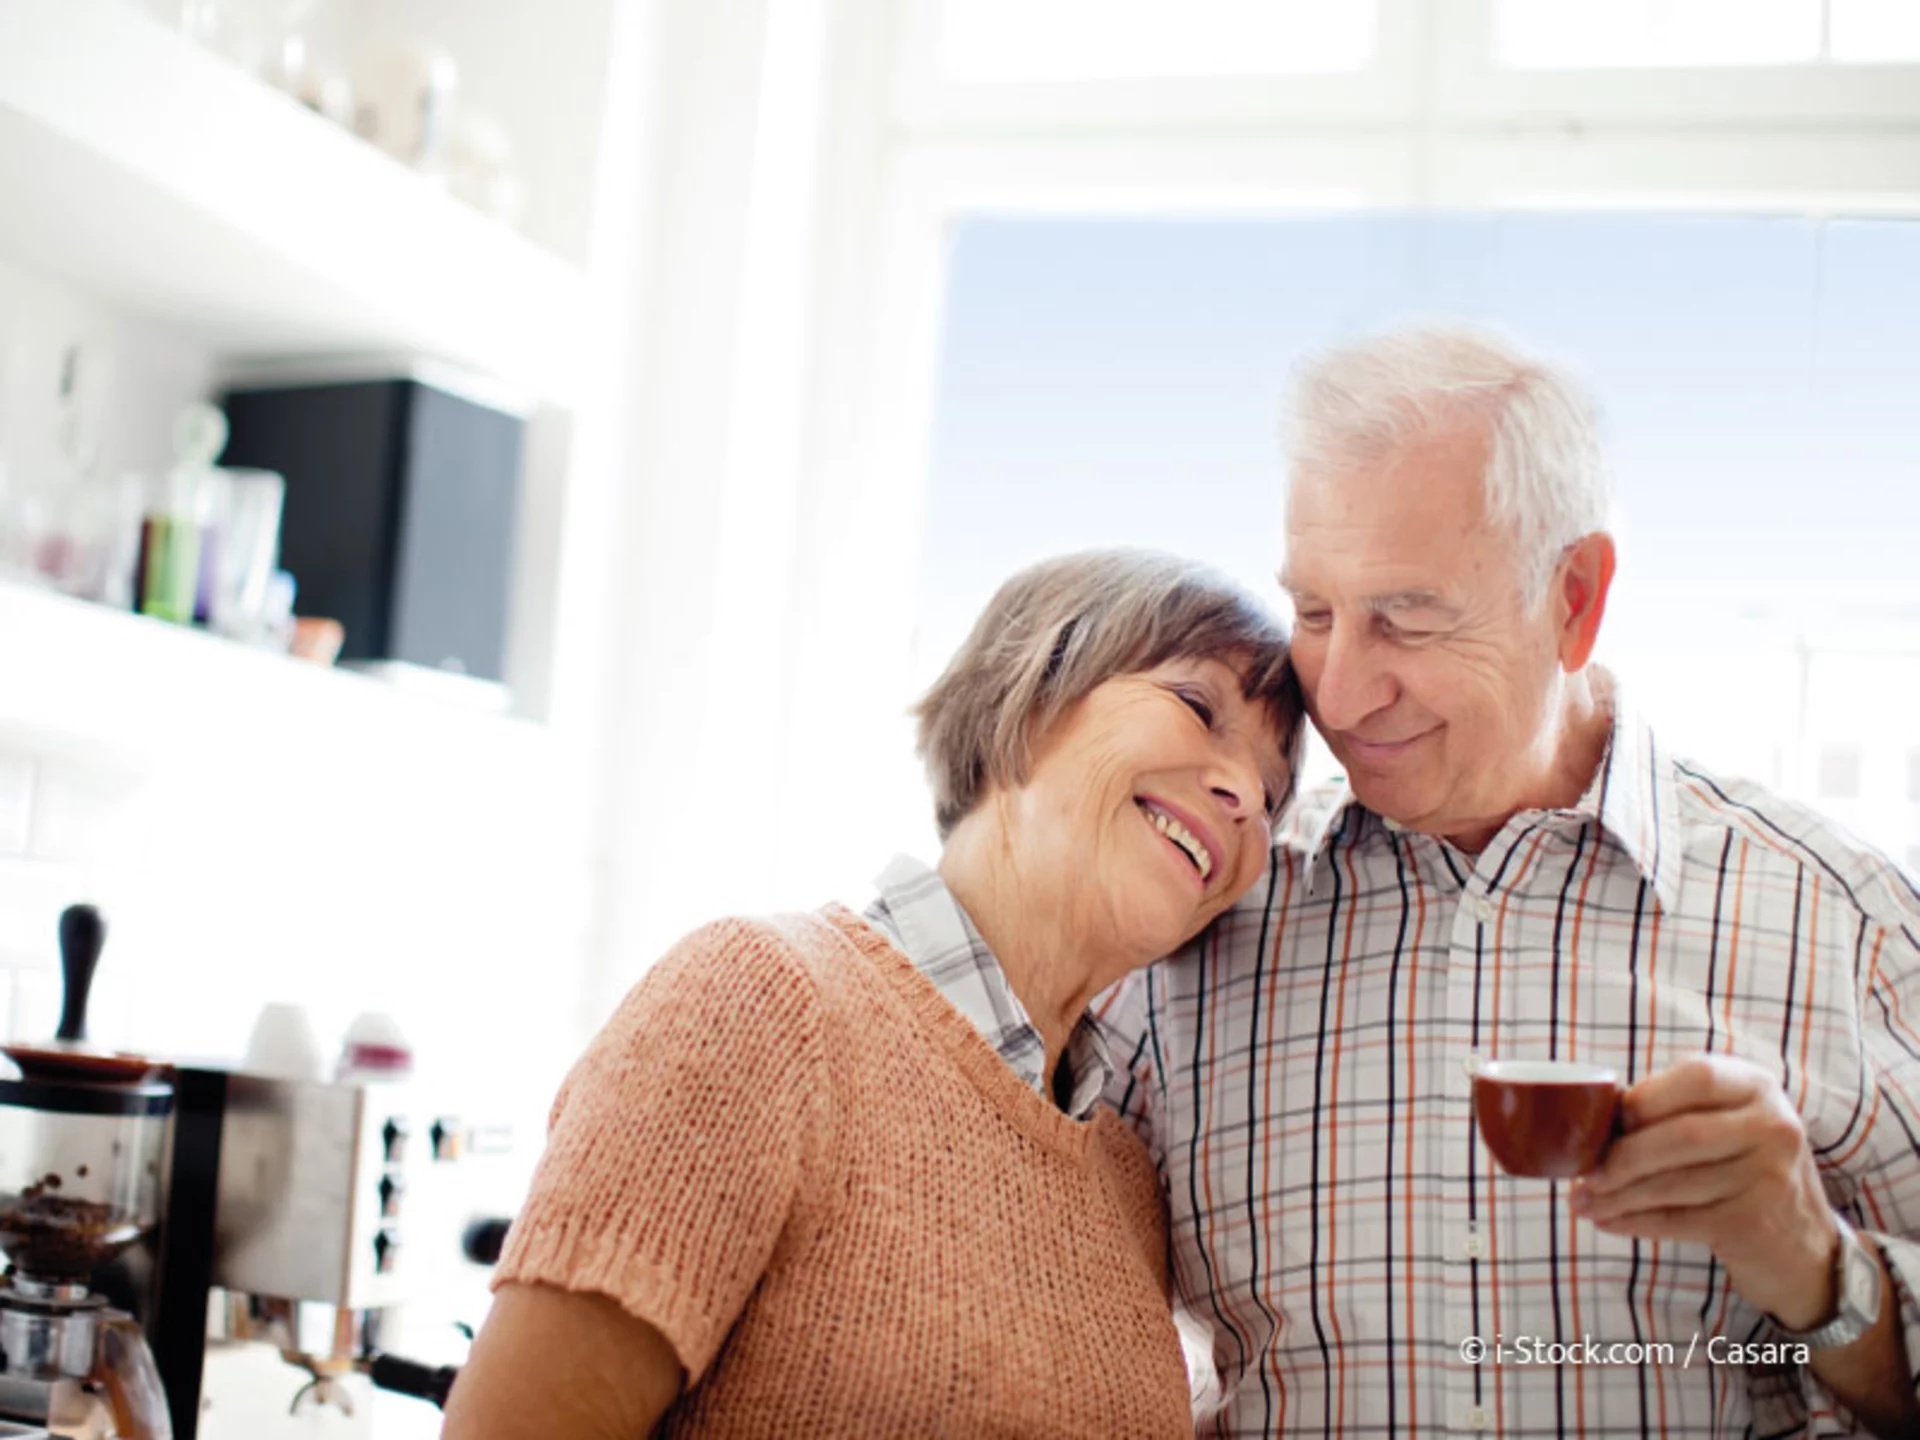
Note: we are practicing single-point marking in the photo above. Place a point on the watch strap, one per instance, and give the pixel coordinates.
(1850, 1320)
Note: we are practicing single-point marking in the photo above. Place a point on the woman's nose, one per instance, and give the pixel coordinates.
(1235, 786)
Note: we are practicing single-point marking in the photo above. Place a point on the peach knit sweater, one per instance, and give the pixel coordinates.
(789, 1154)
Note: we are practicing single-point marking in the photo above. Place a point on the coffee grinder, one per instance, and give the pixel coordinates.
(82, 1141)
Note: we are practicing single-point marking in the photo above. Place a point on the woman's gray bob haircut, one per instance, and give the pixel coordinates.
(1545, 478)
(1060, 628)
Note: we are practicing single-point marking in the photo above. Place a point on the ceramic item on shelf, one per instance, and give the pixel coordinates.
(480, 168)
(25, 525)
(317, 639)
(98, 525)
(56, 518)
(304, 58)
(249, 33)
(276, 615)
(125, 502)
(375, 1048)
(247, 551)
(410, 92)
(284, 1044)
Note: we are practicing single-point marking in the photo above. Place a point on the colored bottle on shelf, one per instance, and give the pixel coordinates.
(177, 542)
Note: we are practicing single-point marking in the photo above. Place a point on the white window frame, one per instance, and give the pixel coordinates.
(1435, 61)
(1830, 174)
(927, 102)
(1469, 85)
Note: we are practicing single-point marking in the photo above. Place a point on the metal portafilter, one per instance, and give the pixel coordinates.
(480, 1243)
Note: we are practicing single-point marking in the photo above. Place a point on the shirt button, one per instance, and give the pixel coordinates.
(1483, 910)
(1473, 1247)
(1472, 1063)
(1478, 1418)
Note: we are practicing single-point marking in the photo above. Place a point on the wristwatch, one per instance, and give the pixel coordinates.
(1856, 1275)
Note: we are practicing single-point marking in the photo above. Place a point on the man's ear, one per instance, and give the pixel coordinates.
(1580, 597)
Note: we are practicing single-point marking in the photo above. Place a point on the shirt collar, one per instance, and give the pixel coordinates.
(918, 913)
(1634, 794)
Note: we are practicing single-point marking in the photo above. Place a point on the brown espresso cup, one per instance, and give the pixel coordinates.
(1546, 1119)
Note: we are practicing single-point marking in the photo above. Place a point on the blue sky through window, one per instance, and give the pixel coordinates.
(1118, 381)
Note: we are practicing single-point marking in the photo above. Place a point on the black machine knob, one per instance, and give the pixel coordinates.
(410, 1377)
(392, 1187)
(83, 935)
(448, 1139)
(483, 1238)
(386, 1251)
(394, 1136)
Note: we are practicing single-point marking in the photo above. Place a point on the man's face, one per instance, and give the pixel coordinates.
(1429, 675)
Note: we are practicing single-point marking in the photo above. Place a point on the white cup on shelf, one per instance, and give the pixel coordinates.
(284, 1044)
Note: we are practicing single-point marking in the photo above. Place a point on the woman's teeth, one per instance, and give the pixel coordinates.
(1183, 837)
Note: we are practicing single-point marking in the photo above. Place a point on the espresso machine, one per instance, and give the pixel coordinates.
(151, 1211)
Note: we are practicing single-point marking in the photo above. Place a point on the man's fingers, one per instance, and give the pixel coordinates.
(1692, 1227)
(1701, 1082)
(1697, 1137)
(1693, 1187)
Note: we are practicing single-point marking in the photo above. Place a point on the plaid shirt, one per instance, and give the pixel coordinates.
(922, 920)
(1303, 1075)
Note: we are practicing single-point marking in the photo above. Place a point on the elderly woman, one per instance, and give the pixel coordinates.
(826, 1175)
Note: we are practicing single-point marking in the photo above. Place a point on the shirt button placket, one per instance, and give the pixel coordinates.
(1466, 1247)
(1457, 1239)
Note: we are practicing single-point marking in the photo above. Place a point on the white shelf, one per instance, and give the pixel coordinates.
(105, 687)
(155, 174)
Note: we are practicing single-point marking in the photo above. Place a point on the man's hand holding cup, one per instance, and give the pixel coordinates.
(1713, 1153)
(1708, 1151)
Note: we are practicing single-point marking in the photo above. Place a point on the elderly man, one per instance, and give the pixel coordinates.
(1515, 866)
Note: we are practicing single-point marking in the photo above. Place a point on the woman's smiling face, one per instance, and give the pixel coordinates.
(1148, 806)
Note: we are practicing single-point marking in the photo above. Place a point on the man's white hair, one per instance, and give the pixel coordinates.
(1545, 479)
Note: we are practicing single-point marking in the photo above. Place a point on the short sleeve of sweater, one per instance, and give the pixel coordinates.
(678, 1145)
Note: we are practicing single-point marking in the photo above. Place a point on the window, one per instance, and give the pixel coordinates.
(1875, 31)
(1839, 772)
(994, 41)
(1585, 34)
(1117, 381)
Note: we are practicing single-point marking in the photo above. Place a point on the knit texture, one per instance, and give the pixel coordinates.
(790, 1155)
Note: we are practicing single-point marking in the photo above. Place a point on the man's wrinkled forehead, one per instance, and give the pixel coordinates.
(1415, 522)
(1404, 600)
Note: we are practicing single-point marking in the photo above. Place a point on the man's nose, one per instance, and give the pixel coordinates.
(1354, 680)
